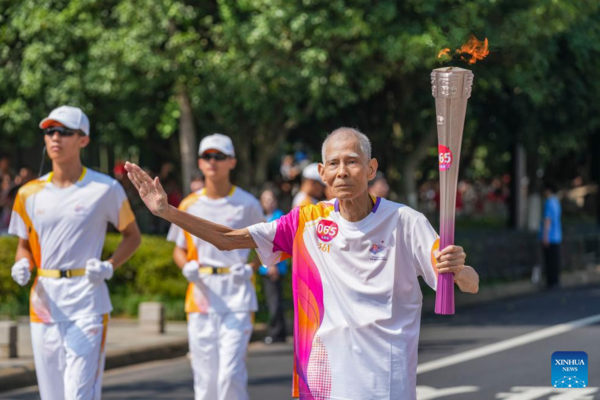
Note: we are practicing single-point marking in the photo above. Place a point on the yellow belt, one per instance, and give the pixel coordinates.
(207, 269)
(60, 273)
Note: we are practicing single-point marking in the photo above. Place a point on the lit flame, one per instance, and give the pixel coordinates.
(476, 50)
(444, 52)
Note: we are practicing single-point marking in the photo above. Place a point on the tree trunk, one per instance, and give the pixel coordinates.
(518, 188)
(244, 171)
(268, 145)
(187, 140)
(409, 168)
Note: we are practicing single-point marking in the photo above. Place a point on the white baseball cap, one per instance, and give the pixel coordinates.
(219, 142)
(311, 171)
(71, 117)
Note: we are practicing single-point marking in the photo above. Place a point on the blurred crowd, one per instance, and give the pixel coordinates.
(297, 182)
(10, 182)
(473, 198)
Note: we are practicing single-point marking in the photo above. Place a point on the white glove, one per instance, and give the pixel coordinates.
(241, 272)
(97, 271)
(191, 271)
(20, 271)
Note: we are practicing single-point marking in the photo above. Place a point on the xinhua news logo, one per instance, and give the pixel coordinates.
(569, 369)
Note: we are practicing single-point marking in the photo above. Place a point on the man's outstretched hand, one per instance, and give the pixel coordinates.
(151, 191)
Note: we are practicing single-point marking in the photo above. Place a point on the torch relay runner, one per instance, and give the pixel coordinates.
(61, 220)
(356, 263)
(220, 298)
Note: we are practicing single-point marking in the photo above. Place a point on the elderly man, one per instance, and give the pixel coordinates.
(356, 260)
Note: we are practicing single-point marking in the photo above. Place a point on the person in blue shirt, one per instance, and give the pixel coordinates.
(271, 277)
(550, 235)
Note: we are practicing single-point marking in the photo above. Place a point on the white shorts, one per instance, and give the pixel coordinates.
(218, 346)
(69, 358)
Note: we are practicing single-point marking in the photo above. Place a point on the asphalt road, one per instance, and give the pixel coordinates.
(497, 350)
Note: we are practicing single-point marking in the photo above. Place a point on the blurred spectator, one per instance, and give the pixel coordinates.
(271, 277)
(550, 235)
(312, 188)
(6, 205)
(288, 170)
(174, 194)
(166, 169)
(24, 176)
(301, 157)
(6, 183)
(5, 169)
(378, 186)
(119, 171)
(197, 182)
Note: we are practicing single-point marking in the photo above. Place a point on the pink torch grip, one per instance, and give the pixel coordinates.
(444, 300)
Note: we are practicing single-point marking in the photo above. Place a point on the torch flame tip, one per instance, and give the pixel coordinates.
(474, 48)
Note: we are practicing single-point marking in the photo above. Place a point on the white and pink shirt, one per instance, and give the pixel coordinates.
(357, 297)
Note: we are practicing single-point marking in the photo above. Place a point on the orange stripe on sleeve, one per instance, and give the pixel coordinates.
(126, 216)
(20, 208)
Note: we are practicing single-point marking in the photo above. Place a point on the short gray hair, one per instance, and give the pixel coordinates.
(363, 141)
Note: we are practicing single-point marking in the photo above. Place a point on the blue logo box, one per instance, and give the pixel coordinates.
(569, 369)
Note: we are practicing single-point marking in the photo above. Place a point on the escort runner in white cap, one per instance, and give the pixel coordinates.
(356, 261)
(312, 187)
(220, 298)
(61, 220)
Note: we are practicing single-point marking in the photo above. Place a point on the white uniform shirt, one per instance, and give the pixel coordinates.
(218, 293)
(66, 227)
(356, 296)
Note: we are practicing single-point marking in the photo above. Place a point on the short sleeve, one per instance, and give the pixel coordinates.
(275, 240)
(177, 236)
(424, 240)
(119, 212)
(17, 225)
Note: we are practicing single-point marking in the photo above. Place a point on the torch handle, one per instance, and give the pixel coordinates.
(444, 300)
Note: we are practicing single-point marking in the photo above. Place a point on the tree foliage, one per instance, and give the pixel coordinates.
(270, 71)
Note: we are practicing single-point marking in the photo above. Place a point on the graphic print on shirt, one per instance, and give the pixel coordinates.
(379, 251)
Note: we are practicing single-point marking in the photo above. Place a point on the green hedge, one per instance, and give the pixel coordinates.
(150, 275)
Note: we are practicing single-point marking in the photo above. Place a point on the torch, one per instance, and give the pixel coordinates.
(451, 88)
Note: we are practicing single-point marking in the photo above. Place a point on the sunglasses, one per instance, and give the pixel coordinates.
(61, 130)
(215, 156)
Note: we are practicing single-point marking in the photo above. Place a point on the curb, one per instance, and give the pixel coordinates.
(23, 376)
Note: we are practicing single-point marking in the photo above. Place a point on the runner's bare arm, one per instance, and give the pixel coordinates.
(129, 243)
(154, 197)
(180, 256)
(24, 251)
